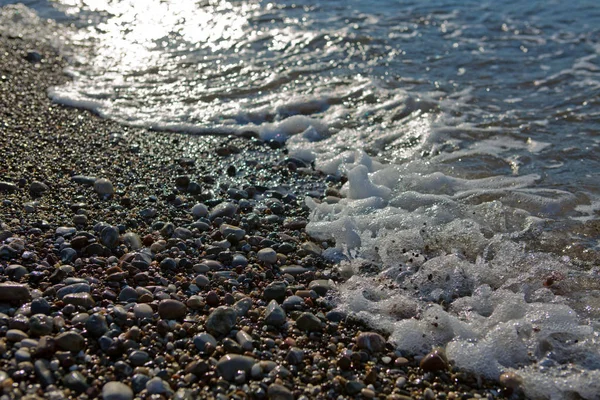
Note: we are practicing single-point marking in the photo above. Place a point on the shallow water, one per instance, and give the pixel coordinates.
(469, 132)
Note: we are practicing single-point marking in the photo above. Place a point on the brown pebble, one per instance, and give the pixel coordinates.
(510, 380)
(171, 309)
(371, 341)
(434, 361)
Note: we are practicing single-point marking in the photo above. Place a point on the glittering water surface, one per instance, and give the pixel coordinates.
(469, 132)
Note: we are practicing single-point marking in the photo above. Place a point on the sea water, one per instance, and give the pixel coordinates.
(468, 130)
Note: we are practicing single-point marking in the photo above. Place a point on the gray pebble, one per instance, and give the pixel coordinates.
(104, 187)
(229, 365)
(116, 391)
(221, 320)
(274, 314)
(141, 311)
(267, 255)
(308, 322)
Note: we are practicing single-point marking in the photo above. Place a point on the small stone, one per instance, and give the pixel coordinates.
(199, 210)
(138, 357)
(43, 373)
(158, 386)
(96, 325)
(202, 340)
(37, 188)
(312, 248)
(275, 291)
(293, 303)
(267, 255)
(7, 186)
(109, 236)
(104, 187)
(80, 219)
(371, 341)
(242, 306)
(40, 325)
(279, 392)
(116, 391)
(232, 232)
(202, 281)
(15, 335)
(321, 286)
(223, 210)
(141, 311)
(369, 394)
(293, 270)
(274, 314)
(434, 361)
(354, 387)
(132, 240)
(128, 295)
(172, 309)
(182, 233)
(76, 382)
(221, 320)
(229, 365)
(510, 380)
(70, 341)
(309, 322)
(14, 291)
(245, 340)
(79, 287)
(16, 271)
(84, 300)
(294, 356)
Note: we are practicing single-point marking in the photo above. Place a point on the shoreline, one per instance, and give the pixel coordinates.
(119, 275)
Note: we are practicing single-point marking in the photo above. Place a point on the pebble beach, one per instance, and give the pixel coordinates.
(154, 265)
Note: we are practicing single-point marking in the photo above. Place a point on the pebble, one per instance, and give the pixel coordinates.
(203, 339)
(40, 306)
(158, 386)
(104, 187)
(141, 311)
(172, 309)
(267, 255)
(116, 391)
(96, 325)
(7, 186)
(15, 335)
(14, 291)
(76, 382)
(199, 210)
(221, 320)
(70, 341)
(232, 232)
(84, 300)
(38, 188)
(274, 314)
(275, 291)
(229, 365)
(109, 236)
(309, 322)
(279, 392)
(242, 306)
(510, 380)
(224, 209)
(434, 361)
(74, 288)
(371, 341)
(40, 325)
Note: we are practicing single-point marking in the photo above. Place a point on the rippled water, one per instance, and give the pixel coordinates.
(469, 132)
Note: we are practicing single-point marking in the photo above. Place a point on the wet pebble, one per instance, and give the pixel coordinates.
(116, 391)
(172, 309)
(229, 365)
(274, 314)
(267, 255)
(221, 320)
